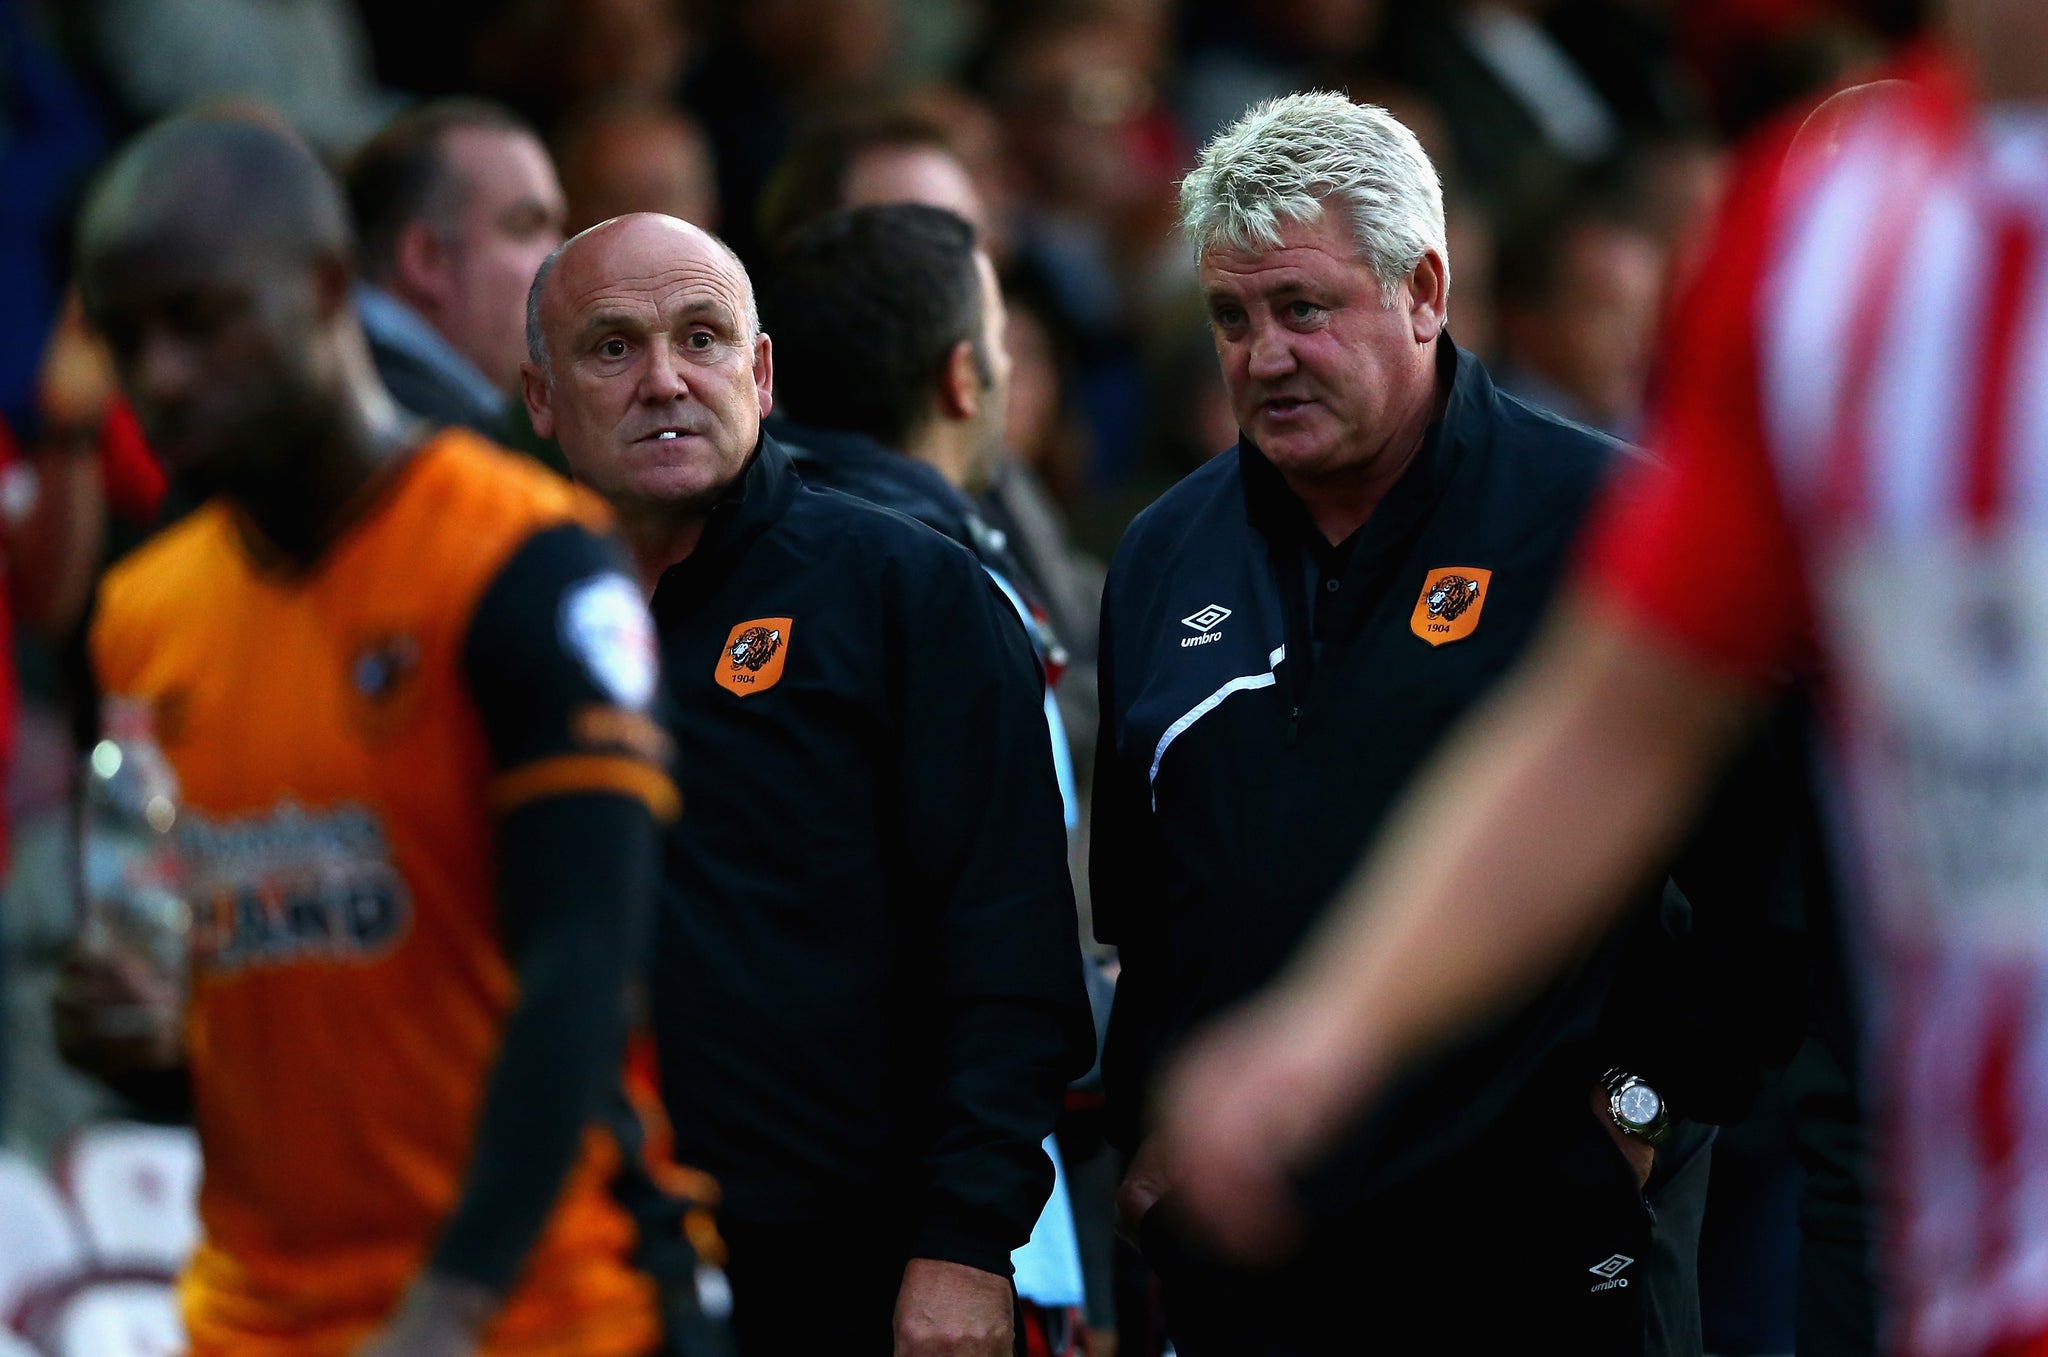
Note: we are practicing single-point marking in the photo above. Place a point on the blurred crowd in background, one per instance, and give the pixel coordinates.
(1583, 145)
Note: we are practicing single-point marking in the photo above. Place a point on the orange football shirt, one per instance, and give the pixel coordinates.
(349, 987)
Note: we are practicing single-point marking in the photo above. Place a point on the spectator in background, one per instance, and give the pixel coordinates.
(784, 62)
(1579, 291)
(307, 59)
(455, 205)
(1240, 54)
(975, 135)
(909, 415)
(1077, 86)
(1039, 424)
(1468, 229)
(558, 59)
(637, 156)
(1684, 176)
(896, 155)
(1040, 434)
(633, 50)
(902, 154)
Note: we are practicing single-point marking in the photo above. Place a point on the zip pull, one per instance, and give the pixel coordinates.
(1293, 726)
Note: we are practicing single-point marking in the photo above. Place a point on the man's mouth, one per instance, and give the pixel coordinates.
(1281, 407)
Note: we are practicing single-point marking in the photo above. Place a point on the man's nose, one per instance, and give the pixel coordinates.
(661, 376)
(1272, 353)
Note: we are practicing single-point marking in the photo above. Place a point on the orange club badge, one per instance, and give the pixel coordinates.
(752, 659)
(1451, 601)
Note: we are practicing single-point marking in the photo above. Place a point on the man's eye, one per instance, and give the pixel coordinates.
(612, 348)
(1303, 310)
(699, 340)
(1227, 317)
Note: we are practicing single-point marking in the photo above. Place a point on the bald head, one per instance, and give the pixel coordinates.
(648, 364)
(650, 231)
(212, 186)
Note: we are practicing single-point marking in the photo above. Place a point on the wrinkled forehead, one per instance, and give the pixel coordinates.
(647, 265)
(1320, 251)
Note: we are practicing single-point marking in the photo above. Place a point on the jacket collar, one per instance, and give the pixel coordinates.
(757, 498)
(1281, 518)
(857, 465)
(391, 323)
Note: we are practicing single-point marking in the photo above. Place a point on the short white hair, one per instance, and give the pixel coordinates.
(1286, 158)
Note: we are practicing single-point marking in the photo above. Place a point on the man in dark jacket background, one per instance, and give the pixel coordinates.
(1287, 634)
(902, 405)
(902, 152)
(455, 204)
(864, 986)
(892, 367)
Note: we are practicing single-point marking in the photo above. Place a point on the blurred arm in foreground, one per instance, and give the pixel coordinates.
(1569, 787)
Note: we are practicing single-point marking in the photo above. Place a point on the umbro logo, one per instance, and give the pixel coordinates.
(1205, 621)
(1610, 1270)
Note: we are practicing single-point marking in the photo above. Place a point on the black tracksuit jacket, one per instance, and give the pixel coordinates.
(863, 987)
(1266, 700)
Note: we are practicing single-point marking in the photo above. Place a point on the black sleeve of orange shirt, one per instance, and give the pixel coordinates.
(556, 667)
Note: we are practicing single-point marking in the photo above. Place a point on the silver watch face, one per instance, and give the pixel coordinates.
(1638, 1104)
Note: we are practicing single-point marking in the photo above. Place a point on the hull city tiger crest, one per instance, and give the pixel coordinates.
(752, 659)
(1452, 599)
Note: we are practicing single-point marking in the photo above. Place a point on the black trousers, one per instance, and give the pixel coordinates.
(814, 1290)
(801, 1289)
(1837, 1299)
(1574, 1260)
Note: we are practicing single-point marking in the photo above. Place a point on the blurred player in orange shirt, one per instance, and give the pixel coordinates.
(407, 693)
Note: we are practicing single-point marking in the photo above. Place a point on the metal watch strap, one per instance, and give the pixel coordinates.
(1657, 1130)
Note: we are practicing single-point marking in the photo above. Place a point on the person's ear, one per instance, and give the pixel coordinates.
(764, 373)
(533, 385)
(419, 263)
(960, 386)
(1429, 292)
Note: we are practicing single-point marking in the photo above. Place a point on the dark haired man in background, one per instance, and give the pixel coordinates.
(901, 155)
(899, 404)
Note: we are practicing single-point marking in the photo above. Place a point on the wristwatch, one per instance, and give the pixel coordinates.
(1638, 1109)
